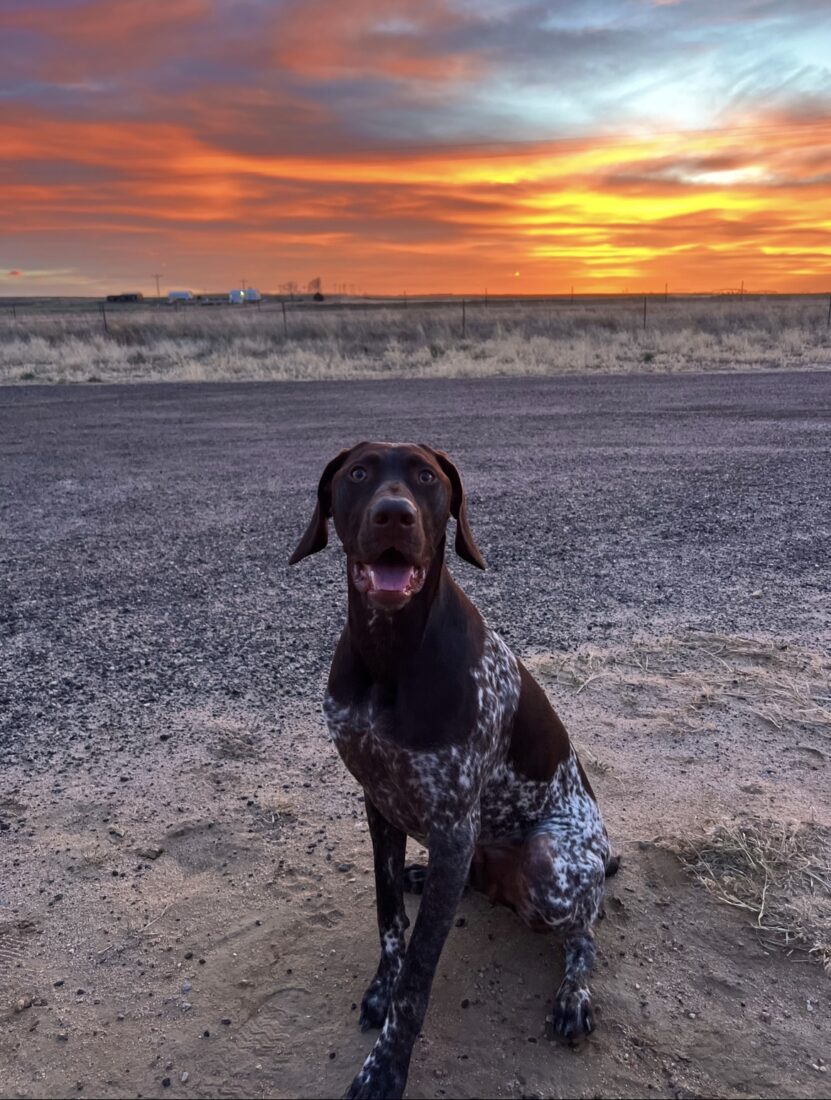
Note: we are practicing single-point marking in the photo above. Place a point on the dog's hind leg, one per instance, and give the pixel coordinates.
(561, 880)
(388, 847)
(572, 1016)
(415, 875)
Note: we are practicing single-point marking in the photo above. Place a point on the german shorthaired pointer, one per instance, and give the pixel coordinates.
(453, 742)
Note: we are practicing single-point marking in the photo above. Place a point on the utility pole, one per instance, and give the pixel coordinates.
(243, 286)
(158, 292)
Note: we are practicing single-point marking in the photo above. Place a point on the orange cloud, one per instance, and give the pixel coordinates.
(700, 210)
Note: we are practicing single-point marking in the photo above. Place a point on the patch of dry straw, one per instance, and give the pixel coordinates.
(679, 677)
(778, 873)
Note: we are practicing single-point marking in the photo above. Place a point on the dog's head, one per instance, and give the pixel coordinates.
(390, 503)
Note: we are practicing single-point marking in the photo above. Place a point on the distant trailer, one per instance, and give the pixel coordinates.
(180, 296)
(252, 294)
(236, 297)
(131, 297)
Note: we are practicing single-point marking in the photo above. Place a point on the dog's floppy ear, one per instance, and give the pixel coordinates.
(317, 533)
(465, 543)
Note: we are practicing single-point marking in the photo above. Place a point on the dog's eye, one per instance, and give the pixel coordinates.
(357, 473)
(426, 476)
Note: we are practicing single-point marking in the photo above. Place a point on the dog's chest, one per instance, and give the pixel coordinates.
(421, 790)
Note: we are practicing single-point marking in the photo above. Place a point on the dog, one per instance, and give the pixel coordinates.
(454, 743)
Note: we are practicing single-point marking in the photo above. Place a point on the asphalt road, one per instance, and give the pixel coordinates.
(144, 530)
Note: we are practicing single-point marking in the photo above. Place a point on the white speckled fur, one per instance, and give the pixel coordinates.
(421, 791)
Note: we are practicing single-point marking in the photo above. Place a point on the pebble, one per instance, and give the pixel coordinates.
(186, 987)
(22, 1003)
(184, 1077)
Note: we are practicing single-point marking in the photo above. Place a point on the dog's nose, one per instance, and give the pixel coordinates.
(392, 512)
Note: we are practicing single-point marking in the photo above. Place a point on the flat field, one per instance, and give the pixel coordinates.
(185, 883)
(76, 341)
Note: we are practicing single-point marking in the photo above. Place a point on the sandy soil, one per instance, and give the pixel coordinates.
(186, 888)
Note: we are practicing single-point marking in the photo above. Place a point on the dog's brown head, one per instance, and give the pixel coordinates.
(390, 503)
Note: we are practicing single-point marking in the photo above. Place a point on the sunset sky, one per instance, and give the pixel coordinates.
(419, 146)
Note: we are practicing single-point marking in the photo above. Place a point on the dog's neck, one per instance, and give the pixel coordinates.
(385, 640)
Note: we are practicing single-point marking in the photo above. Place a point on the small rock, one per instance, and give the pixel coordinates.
(149, 853)
(62, 1036)
(184, 1077)
(165, 1082)
(22, 1003)
(344, 867)
(114, 830)
(186, 987)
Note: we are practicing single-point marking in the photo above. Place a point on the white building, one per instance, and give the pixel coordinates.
(180, 296)
(239, 297)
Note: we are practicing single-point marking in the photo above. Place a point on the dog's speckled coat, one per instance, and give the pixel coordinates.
(455, 745)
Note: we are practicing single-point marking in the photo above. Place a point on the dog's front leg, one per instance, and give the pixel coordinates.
(388, 847)
(384, 1073)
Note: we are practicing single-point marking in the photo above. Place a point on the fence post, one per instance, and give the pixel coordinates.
(104, 316)
(464, 322)
(14, 311)
(285, 324)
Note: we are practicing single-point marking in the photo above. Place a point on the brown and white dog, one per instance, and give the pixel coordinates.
(454, 744)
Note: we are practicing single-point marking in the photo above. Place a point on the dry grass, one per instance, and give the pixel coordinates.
(779, 874)
(680, 678)
(504, 338)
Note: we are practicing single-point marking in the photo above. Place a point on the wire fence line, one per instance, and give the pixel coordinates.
(301, 317)
(405, 337)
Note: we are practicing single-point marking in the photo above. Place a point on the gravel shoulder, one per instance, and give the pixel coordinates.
(180, 845)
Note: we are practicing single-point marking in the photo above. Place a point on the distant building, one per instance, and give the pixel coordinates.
(131, 296)
(180, 296)
(236, 297)
(252, 294)
(240, 297)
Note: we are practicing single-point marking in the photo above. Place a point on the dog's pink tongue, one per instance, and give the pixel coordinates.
(391, 578)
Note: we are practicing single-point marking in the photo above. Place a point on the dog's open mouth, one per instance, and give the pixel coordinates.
(390, 580)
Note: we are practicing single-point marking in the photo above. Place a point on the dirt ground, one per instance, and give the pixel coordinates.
(186, 901)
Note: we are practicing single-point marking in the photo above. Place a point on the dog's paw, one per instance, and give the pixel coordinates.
(375, 1004)
(572, 1018)
(376, 1083)
(415, 876)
